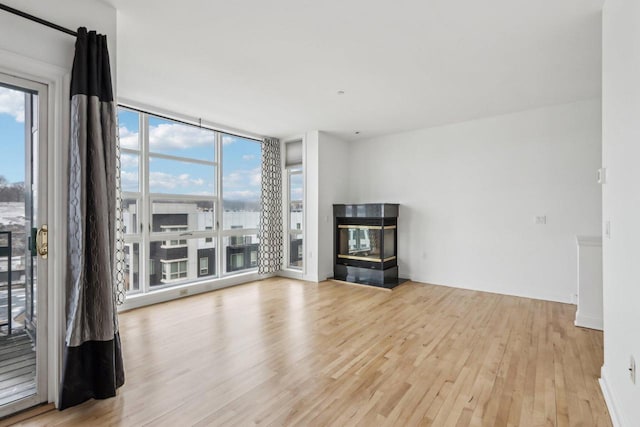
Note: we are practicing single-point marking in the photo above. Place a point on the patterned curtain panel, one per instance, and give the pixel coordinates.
(93, 360)
(271, 237)
(119, 285)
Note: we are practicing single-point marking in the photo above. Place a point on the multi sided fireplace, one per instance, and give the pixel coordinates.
(365, 244)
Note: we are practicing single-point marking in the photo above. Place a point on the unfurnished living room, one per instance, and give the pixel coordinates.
(319, 213)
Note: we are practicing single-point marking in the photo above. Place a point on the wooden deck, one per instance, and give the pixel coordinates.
(17, 306)
(17, 368)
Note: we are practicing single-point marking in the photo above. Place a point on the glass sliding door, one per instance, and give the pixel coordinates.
(23, 244)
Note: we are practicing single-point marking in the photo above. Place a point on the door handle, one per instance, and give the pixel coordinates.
(42, 238)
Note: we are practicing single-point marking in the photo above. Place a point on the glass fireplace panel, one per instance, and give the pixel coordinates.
(389, 242)
(360, 242)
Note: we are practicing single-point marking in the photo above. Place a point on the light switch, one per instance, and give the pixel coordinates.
(601, 176)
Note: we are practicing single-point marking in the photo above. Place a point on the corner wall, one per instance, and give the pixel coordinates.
(621, 206)
(311, 162)
(470, 192)
(326, 166)
(334, 188)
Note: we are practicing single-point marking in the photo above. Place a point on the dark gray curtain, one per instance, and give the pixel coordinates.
(270, 248)
(93, 359)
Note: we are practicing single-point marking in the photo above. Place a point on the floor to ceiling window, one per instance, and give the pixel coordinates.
(240, 202)
(295, 207)
(187, 192)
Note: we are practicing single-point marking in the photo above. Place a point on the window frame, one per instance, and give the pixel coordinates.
(144, 199)
(291, 171)
(203, 271)
(230, 232)
(178, 272)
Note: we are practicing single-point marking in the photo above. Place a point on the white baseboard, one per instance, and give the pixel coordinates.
(181, 291)
(531, 294)
(588, 322)
(616, 420)
(290, 274)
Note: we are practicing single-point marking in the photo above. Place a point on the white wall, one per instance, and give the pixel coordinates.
(310, 159)
(334, 188)
(326, 183)
(469, 193)
(621, 206)
(589, 311)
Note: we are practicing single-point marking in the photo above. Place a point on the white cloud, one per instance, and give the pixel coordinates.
(248, 157)
(227, 139)
(128, 139)
(242, 178)
(129, 180)
(128, 161)
(242, 185)
(12, 103)
(167, 181)
(176, 136)
(296, 193)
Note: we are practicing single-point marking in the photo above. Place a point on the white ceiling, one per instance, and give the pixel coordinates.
(274, 67)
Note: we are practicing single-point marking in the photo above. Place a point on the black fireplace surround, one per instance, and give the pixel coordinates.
(365, 244)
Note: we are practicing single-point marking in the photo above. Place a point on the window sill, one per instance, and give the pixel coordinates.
(291, 273)
(181, 291)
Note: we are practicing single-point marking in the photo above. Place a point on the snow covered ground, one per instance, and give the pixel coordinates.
(11, 213)
(12, 219)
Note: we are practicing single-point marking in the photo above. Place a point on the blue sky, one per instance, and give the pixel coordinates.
(241, 160)
(241, 164)
(12, 161)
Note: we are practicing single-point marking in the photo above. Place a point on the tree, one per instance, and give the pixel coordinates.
(11, 192)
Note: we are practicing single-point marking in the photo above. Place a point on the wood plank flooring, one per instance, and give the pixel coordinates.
(17, 368)
(285, 352)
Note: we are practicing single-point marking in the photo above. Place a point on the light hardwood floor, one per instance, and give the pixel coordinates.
(285, 352)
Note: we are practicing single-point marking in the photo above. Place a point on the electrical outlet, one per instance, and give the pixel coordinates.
(541, 220)
(632, 369)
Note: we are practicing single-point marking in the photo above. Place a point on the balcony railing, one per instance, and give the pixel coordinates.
(5, 251)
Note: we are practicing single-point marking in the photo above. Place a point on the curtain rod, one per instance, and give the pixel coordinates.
(197, 124)
(38, 20)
